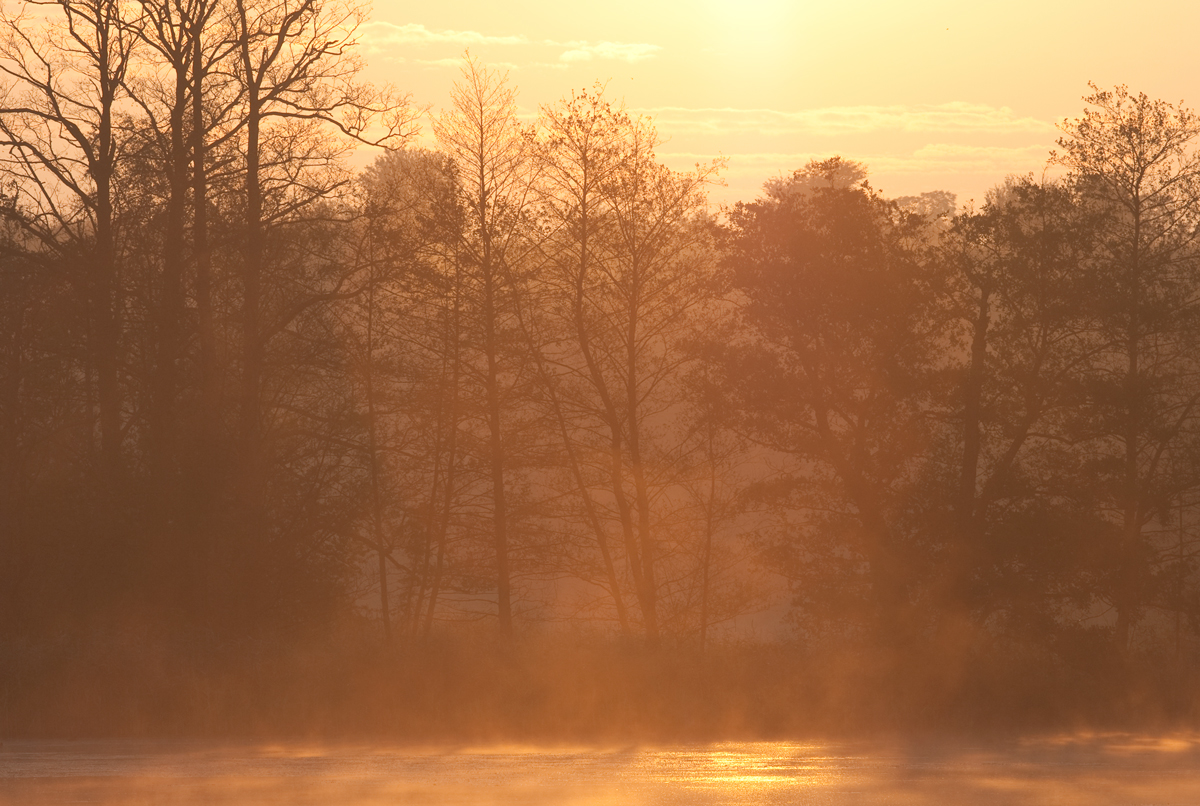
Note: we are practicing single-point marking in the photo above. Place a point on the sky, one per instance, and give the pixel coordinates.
(930, 95)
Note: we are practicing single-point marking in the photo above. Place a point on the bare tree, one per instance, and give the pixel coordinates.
(58, 112)
(297, 73)
(481, 134)
(631, 279)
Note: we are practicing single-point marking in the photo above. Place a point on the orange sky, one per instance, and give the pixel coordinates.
(930, 95)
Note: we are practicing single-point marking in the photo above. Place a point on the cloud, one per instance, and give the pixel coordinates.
(619, 51)
(936, 157)
(385, 37)
(385, 34)
(457, 62)
(955, 116)
(969, 157)
(966, 169)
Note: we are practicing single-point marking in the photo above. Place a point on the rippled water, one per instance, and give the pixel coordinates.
(1092, 770)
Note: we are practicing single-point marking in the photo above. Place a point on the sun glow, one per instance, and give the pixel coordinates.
(755, 30)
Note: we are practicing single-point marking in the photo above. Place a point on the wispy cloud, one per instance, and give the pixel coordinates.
(938, 157)
(457, 62)
(949, 117)
(935, 152)
(382, 37)
(950, 164)
(447, 62)
(970, 157)
(619, 51)
(385, 34)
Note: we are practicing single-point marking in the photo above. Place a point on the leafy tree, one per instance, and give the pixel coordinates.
(833, 370)
(1134, 159)
(1017, 274)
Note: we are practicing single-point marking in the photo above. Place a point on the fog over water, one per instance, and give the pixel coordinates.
(1087, 769)
(512, 452)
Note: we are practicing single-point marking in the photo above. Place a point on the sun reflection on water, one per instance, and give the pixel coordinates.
(1084, 769)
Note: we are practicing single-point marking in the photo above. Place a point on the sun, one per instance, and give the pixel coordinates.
(755, 29)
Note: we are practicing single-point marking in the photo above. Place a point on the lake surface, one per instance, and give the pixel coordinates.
(1087, 770)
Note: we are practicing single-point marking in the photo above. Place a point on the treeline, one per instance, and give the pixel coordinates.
(244, 384)
(173, 243)
(250, 396)
(992, 415)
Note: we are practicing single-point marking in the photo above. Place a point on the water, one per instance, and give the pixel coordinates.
(1087, 770)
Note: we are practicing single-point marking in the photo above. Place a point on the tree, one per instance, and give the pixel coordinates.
(833, 369)
(1017, 273)
(481, 134)
(579, 153)
(628, 280)
(297, 75)
(717, 488)
(1134, 159)
(61, 85)
(58, 125)
(401, 335)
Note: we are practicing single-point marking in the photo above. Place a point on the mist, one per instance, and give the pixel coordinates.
(518, 439)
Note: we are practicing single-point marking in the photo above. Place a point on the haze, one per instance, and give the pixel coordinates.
(931, 95)
(739, 387)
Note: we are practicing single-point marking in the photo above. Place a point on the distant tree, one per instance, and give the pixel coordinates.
(481, 134)
(834, 369)
(402, 338)
(579, 151)
(725, 464)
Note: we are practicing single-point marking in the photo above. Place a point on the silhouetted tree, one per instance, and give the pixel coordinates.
(834, 370)
(1135, 160)
(59, 130)
(402, 337)
(1018, 274)
(480, 132)
(630, 277)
